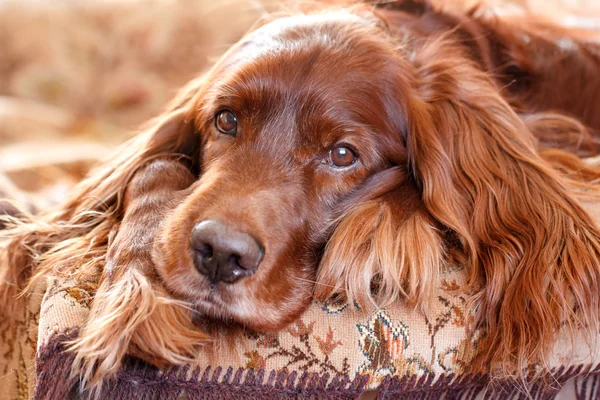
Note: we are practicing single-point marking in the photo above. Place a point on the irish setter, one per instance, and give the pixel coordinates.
(351, 152)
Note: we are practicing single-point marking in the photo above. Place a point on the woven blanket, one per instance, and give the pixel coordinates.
(332, 351)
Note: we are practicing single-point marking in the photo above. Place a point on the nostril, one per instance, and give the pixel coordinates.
(205, 250)
(234, 260)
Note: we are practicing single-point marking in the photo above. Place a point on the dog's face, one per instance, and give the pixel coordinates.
(292, 122)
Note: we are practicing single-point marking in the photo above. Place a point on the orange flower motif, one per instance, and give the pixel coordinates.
(301, 329)
(268, 340)
(449, 286)
(255, 360)
(459, 316)
(382, 341)
(328, 344)
(78, 296)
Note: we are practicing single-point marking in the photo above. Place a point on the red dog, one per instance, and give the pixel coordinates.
(350, 152)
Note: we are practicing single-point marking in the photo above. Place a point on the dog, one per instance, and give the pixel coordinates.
(351, 153)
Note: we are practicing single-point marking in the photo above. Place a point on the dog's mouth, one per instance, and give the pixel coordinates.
(238, 311)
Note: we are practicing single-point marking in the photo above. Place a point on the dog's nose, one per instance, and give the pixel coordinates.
(223, 253)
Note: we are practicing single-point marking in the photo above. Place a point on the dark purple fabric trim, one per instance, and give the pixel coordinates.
(470, 386)
(53, 369)
(138, 380)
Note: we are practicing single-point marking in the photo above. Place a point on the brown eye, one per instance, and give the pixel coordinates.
(226, 122)
(342, 156)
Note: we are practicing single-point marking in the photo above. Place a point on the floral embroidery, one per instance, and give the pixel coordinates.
(458, 359)
(255, 360)
(337, 306)
(301, 331)
(450, 309)
(450, 286)
(383, 343)
(78, 296)
(268, 340)
(332, 307)
(328, 344)
(299, 355)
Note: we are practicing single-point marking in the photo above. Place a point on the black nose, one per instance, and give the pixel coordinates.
(222, 253)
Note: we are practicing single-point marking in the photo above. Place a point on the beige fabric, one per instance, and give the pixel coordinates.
(18, 343)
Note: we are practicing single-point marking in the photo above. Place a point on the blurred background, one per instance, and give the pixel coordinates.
(77, 77)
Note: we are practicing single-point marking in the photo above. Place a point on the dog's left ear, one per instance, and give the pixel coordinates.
(534, 253)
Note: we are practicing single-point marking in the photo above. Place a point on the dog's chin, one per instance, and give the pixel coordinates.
(213, 307)
(216, 308)
(222, 326)
(248, 303)
(215, 320)
(213, 310)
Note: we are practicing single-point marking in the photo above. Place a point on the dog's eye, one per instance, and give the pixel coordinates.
(226, 122)
(341, 156)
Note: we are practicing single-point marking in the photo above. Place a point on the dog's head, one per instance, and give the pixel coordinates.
(293, 124)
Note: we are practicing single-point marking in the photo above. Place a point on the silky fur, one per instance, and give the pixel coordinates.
(454, 167)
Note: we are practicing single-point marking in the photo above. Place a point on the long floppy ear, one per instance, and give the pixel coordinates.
(556, 131)
(71, 243)
(384, 246)
(171, 133)
(132, 313)
(534, 252)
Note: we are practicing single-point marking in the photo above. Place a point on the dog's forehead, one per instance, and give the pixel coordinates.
(296, 28)
(341, 32)
(314, 61)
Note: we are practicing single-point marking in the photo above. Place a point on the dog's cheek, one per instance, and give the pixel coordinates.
(285, 292)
